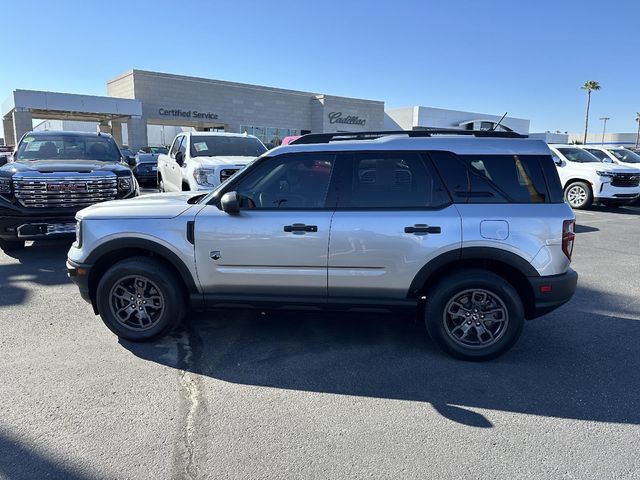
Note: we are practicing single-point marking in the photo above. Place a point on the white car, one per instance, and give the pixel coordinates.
(203, 160)
(619, 155)
(585, 179)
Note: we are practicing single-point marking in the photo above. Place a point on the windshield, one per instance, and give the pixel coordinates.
(624, 155)
(67, 147)
(147, 158)
(578, 155)
(219, 145)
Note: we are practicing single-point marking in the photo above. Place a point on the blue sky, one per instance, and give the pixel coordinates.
(525, 57)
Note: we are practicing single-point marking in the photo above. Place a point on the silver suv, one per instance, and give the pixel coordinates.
(468, 229)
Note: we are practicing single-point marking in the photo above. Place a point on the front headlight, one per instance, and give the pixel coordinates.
(125, 184)
(78, 242)
(605, 174)
(204, 176)
(5, 186)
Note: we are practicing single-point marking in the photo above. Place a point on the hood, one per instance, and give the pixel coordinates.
(157, 205)
(55, 166)
(214, 161)
(613, 168)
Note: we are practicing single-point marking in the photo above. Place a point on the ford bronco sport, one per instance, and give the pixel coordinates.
(468, 229)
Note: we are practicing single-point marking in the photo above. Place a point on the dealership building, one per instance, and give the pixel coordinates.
(148, 108)
(140, 99)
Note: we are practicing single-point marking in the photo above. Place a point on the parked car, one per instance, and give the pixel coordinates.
(619, 155)
(154, 150)
(145, 169)
(202, 160)
(6, 151)
(52, 176)
(127, 154)
(373, 222)
(585, 179)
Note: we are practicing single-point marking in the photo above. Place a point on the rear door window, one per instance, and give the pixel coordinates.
(389, 180)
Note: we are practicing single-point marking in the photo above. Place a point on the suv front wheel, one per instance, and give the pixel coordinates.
(578, 195)
(474, 315)
(138, 299)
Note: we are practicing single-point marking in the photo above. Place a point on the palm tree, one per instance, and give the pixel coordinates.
(589, 86)
(638, 134)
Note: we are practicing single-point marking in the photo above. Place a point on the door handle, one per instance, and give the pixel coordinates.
(422, 228)
(300, 227)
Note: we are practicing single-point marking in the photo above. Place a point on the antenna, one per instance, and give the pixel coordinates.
(499, 122)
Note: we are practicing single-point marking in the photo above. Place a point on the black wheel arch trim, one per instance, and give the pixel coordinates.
(469, 253)
(145, 244)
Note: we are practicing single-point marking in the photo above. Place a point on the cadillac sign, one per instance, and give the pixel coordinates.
(337, 117)
(177, 112)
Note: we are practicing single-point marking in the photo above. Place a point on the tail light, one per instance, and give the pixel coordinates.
(568, 237)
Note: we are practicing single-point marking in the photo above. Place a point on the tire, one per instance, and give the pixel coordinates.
(156, 284)
(186, 187)
(475, 338)
(578, 195)
(11, 245)
(161, 185)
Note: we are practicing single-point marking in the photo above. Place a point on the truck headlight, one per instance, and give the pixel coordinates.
(605, 174)
(5, 186)
(125, 184)
(202, 176)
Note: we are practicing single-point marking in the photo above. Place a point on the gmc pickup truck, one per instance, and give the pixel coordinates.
(52, 176)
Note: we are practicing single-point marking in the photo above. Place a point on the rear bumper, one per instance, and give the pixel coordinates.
(551, 292)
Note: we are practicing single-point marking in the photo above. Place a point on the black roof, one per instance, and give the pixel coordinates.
(47, 133)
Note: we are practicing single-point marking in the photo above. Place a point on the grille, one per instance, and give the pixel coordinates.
(67, 192)
(625, 180)
(226, 173)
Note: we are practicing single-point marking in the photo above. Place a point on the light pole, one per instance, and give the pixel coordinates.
(604, 127)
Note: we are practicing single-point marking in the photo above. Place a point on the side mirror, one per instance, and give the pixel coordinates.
(607, 160)
(230, 203)
(557, 161)
(131, 161)
(180, 158)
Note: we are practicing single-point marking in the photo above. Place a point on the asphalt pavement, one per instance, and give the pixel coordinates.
(245, 394)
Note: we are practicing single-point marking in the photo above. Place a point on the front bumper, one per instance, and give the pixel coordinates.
(30, 227)
(551, 292)
(620, 194)
(79, 274)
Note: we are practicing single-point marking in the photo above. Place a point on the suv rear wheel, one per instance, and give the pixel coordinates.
(138, 299)
(578, 195)
(474, 315)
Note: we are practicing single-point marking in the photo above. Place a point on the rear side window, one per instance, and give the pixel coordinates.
(389, 180)
(497, 178)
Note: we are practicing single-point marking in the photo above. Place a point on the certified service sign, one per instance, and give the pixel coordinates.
(177, 112)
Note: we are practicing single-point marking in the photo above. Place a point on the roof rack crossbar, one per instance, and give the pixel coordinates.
(424, 132)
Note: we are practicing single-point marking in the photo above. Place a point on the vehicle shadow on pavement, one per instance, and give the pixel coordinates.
(18, 461)
(580, 362)
(34, 264)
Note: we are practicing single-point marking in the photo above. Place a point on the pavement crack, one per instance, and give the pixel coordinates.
(192, 404)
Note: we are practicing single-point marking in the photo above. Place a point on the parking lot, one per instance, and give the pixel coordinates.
(245, 394)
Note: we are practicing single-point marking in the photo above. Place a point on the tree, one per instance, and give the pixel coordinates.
(589, 86)
(638, 134)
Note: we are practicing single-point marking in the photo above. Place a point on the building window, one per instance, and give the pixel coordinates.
(269, 135)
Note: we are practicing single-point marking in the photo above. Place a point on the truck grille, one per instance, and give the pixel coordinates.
(625, 180)
(67, 192)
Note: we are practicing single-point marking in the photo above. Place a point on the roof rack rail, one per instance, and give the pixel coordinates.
(423, 132)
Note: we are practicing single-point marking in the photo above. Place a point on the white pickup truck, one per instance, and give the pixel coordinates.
(203, 160)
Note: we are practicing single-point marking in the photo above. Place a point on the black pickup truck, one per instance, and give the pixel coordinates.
(53, 175)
